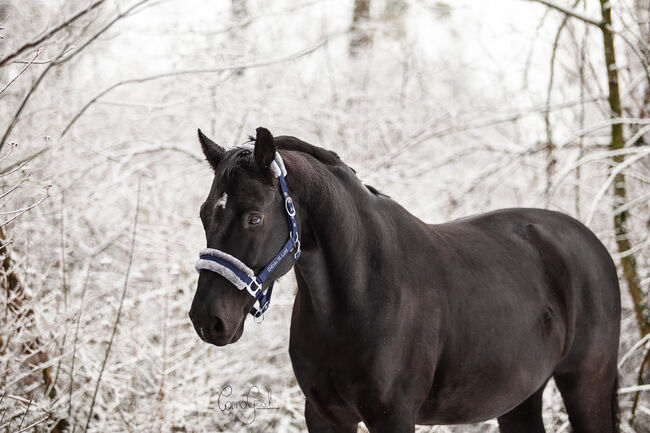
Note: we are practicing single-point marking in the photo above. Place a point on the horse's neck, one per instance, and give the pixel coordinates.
(333, 215)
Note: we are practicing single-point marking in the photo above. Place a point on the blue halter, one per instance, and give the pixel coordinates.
(236, 271)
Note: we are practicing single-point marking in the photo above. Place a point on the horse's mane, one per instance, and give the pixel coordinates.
(238, 158)
(323, 155)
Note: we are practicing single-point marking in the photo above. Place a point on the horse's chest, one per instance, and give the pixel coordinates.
(325, 370)
(314, 359)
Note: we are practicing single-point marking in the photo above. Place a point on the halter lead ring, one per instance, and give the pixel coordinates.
(235, 271)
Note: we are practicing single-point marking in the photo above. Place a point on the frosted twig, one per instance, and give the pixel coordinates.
(632, 250)
(550, 146)
(11, 149)
(603, 125)
(34, 424)
(632, 349)
(636, 52)
(635, 388)
(598, 157)
(74, 344)
(23, 103)
(161, 149)
(119, 310)
(610, 179)
(40, 62)
(49, 34)
(20, 164)
(13, 188)
(19, 73)
(60, 60)
(242, 66)
(57, 62)
(29, 406)
(570, 12)
(26, 209)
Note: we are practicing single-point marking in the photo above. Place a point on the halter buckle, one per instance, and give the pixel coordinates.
(249, 288)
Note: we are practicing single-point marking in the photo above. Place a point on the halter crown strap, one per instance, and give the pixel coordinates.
(235, 271)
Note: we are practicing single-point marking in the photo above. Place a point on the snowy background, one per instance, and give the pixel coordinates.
(451, 107)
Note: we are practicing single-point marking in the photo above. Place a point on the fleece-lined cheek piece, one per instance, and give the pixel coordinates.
(235, 273)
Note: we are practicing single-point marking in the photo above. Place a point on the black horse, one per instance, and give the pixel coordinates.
(397, 322)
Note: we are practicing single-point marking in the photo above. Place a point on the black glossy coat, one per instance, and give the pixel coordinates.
(397, 322)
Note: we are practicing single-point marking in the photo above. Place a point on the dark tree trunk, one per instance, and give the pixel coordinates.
(16, 310)
(360, 34)
(628, 261)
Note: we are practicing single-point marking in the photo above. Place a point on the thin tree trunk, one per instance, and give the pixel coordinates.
(628, 261)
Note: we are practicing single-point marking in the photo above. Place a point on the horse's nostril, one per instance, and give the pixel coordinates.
(218, 327)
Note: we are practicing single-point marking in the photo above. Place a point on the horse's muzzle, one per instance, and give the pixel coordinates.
(213, 331)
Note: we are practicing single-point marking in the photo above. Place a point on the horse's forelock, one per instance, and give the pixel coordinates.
(233, 161)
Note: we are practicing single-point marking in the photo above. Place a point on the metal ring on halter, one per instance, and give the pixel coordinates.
(297, 253)
(288, 205)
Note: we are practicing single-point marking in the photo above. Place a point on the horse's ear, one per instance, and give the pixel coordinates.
(264, 148)
(212, 151)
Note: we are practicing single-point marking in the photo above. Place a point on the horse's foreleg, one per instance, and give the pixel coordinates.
(317, 423)
(390, 420)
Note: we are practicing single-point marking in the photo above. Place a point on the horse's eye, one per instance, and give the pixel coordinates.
(254, 220)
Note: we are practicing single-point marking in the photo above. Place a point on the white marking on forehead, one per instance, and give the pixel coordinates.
(222, 201)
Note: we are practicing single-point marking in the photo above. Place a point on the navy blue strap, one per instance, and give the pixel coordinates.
(291, 210)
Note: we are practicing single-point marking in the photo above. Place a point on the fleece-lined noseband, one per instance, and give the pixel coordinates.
(235, 271)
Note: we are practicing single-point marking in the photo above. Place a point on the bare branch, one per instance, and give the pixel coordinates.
(550, 146)
(13, 188)
(636, 52)
(31, 91)
(49, 34)
(27, 209)
(638, 344)
(100, 32)
(162, 148)
(57, 62)
(20, 164)
(6, 155)
(109, 89)
(19, 73)
(119, 310)
(610, 180)
(34, 424)
(631, 389)
(570, 12)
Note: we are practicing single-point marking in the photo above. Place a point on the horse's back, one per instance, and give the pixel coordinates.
(563, 243)
(576, 265)
(572, 255)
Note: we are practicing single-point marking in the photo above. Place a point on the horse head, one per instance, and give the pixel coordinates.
(245, 223)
